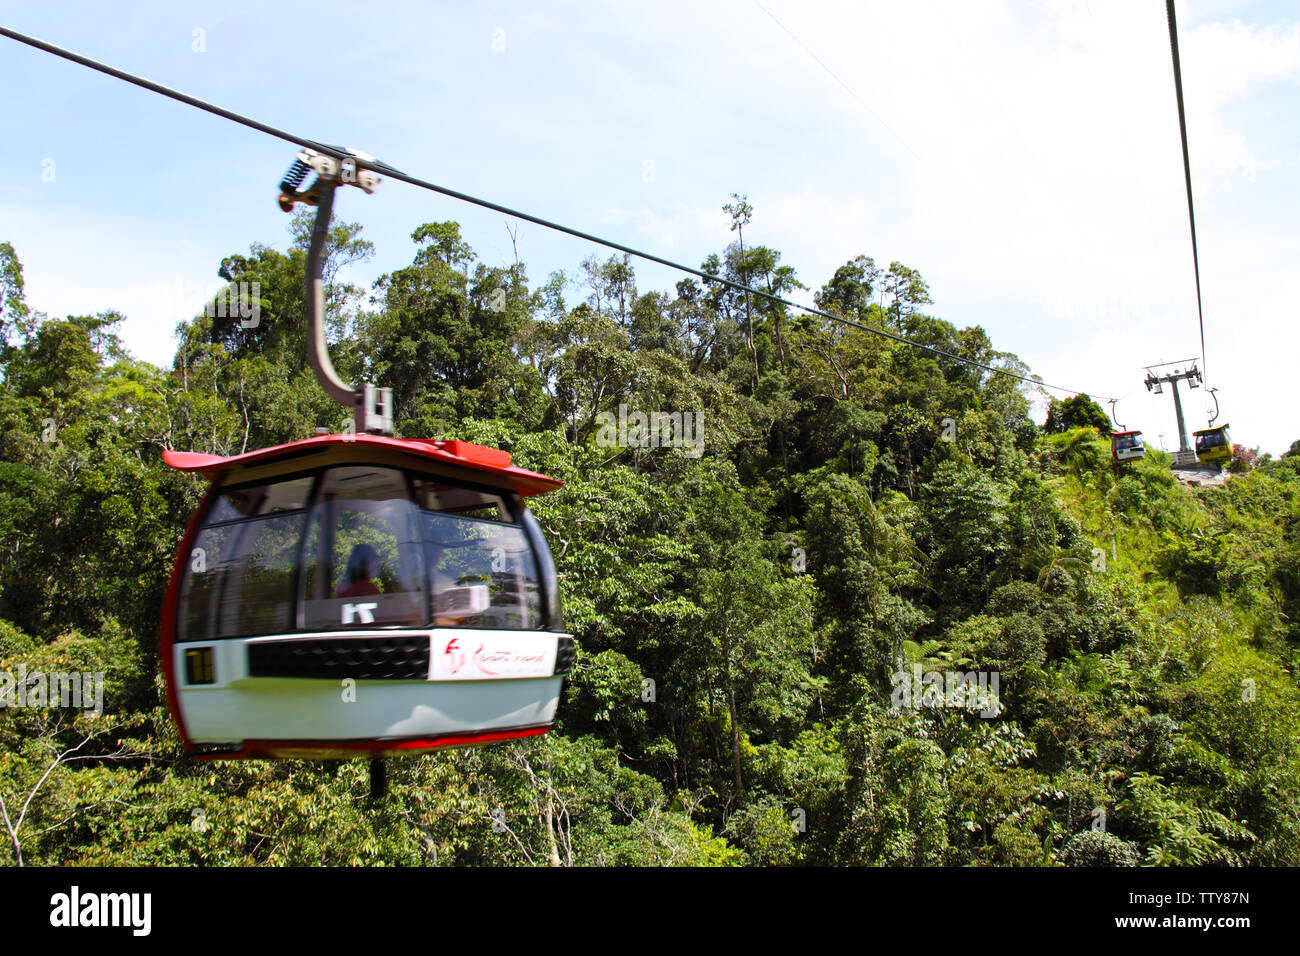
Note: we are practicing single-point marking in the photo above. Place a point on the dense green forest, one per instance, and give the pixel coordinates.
(753, 617)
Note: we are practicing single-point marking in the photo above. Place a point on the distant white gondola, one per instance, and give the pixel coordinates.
(1127, 446)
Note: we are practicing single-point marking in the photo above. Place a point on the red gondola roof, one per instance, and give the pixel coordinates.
(447, 451)
(1118, 434)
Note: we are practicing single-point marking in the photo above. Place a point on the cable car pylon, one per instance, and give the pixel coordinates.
(1155, 383)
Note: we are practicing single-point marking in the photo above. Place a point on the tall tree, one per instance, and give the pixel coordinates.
(741, 212)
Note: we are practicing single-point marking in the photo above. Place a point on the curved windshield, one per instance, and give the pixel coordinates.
(363, 561)
(240, 571)
(482, 572)
(546, 565)
(362, 547)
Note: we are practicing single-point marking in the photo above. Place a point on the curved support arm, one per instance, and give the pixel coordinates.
(318, 355)
(372, 407)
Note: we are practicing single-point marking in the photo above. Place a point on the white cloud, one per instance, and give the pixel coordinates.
(106, 265)
(1222, 63)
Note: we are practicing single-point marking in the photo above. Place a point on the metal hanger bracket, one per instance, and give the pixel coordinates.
(372, 406)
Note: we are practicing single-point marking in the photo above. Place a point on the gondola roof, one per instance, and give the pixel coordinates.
(445, 451)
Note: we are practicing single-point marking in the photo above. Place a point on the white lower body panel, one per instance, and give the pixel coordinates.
(479, 681)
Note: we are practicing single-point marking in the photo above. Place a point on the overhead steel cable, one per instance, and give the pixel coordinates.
(1187, 168)
(342, 154)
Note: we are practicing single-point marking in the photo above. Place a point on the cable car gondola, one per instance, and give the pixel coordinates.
(1127, 446)
(1213, 445)
(357, 593)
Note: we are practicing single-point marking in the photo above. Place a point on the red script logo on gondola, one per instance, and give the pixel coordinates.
(455, 656)
(499, 656)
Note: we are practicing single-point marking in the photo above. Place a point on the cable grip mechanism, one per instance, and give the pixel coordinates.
(372, 406)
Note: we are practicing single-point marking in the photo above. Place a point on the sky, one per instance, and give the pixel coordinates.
(1023, 156)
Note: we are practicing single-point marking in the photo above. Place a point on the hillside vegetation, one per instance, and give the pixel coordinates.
(749, 621)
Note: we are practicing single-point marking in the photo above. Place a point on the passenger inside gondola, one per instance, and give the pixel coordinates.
(363, 567)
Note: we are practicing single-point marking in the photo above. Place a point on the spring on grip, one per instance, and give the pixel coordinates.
(294, 177)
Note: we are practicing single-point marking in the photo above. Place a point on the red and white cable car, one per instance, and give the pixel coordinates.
(358, 593)
(1127, 446)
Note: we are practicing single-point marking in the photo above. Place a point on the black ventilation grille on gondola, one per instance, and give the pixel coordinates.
(564, 655)
(361, 658)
